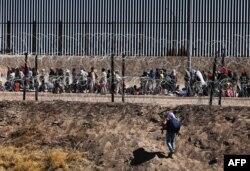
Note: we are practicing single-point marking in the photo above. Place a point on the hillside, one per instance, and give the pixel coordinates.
(62, 135)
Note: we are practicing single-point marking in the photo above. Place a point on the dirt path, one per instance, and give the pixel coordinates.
(147, 99)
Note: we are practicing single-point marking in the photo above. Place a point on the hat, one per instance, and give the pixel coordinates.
(67, 71)
(170, 115)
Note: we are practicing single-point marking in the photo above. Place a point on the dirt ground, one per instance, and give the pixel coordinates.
(162, 100)
(116, 136)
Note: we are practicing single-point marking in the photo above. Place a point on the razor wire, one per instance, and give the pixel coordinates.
(100, 44)
(139, 86)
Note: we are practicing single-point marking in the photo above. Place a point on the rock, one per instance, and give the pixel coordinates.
(152, 130)
(111, 105)
(57, 123)
(159, 138)
(2, 136)
(17, 133)
(138, 112)
(107, 147)
(230, 119)
(100, 162)
(226, 143)
(155, 119)
(213, 161)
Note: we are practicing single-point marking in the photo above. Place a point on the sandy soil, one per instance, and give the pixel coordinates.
(161, 100)
(118, 136)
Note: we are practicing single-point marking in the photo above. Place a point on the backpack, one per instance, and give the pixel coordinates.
(174, 125)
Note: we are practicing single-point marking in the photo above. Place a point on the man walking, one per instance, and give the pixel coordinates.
(172, 125)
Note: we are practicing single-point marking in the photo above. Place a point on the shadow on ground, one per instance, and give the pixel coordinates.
(142, 156)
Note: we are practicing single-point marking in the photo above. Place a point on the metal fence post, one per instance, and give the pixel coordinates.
(36, 93)
(213, 79)
(190, 33)
(123, 75)
(59, 38)
(223, 64)
(25, 76)
(112, 88)
(34, 37)
(112, 62)
(8, 48)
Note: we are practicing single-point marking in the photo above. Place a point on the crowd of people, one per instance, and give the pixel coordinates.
(59, 81)
(153, 81)
(196, 83)
(225, 82)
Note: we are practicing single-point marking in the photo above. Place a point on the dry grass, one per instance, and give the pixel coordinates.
(17, 159)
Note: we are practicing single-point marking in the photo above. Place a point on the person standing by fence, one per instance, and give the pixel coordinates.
(104, 82)
(244, 79)
(92, 81)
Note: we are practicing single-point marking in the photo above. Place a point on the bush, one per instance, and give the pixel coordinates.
(16, 159)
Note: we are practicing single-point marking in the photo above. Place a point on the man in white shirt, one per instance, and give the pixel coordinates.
(92, 80)
(83, 80)
(104, 82)
(117, 82)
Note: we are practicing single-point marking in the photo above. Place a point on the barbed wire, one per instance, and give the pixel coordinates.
(100, 44)
(139, 87)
